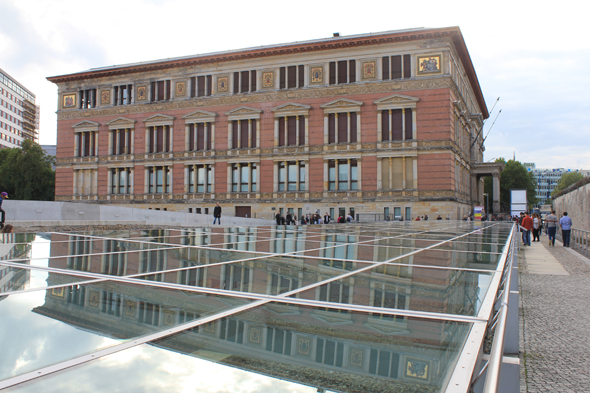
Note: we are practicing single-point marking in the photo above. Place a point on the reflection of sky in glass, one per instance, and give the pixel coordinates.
(149, 369)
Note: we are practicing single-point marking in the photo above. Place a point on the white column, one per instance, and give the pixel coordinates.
(390, 127)
(297, 175)
(213, 137)
(230, 134)
(306, 141)
(403, 124)
(249, 132)
(348, 128)
(212, 178)
(359, 176)
(75, 185)
(403, 173)
(276, 141)
(171, 141)
(286, 175)
(275, 178)
(146, 181)
(307, 176)
(83, 144)
(117, 142)
(132, 181)
(186, 137)
(186, 179)
(414, 124)
(326, 127)
(297, 128)
(379, 127)
(147, 139)
(249, 176)
(229, 177)
(415, 179)
(239, 134)
(132, 149)
(336, 121)
(358, 127)
(206, 128)
(258, 133)
(326, 178)
(76, 143)
(349, 170)
(95, 181)
(390, 173)
(379, 174)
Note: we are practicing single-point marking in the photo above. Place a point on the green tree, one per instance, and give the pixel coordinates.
(26, 173)
(514, 176)
(567, 180)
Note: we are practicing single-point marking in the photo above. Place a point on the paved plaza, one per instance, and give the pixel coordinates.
(554, 318)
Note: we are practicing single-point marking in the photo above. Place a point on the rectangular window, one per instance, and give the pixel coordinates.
(87, 98)
(343, 71)
(292, 131)
(291, 77)
(329, 352)
(160, 90)
(159, 139)
(384, 363)
(335, 292)
(159, 180)
(341, 173)
(342, 127)
(244, 81)
(199, 136)
(244, 177)
(278, 341)
(122, 95)
(201, 176)
(396, 67)
(120, 180)
(120, 141)
(244, 133)
(201, 86)
(396, 124)
(111, 303)
(86, 144)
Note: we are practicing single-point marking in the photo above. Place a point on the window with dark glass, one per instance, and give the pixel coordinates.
(343, 71)
(120, 180)
(160, 91)
(244, 133)
(291, 77)
(244, 177)
(244, 81)
(292, 131)
(342, 127)
(396, 67)
(201, 86)
(201, 175)
(342, 175)
(159, 139)
(122, 94)
(120, 141)
(159, 179)
(87, 98)
(199, 136)
(396, 124)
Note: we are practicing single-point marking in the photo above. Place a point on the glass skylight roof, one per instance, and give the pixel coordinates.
(383, 307)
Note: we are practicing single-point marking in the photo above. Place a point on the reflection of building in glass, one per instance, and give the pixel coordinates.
(319, 346)
(14, 246)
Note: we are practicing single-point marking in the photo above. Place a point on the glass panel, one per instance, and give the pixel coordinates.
(342, 176)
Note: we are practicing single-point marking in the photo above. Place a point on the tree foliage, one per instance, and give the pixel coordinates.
(514, 176)
(27, 173)
(567, 180)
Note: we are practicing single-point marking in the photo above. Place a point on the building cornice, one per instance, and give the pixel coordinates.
(335, 43)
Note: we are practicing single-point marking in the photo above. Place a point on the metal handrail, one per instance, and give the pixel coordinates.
(579, 240)
(494, 365)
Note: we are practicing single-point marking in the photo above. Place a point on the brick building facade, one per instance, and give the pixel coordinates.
(384, 123)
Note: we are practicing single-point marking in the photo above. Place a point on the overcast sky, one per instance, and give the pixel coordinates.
(533, 56)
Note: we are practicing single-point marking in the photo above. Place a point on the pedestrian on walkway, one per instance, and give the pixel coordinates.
(217, 214)
(551, 221)
(566, 228)
(527, 224)
(536, 227)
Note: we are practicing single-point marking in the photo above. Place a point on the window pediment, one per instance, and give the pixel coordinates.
(121, 122)
(86, 125)
(291, 109)
(396, 101)
(342, 105)
(159, 120)
(199, 116)
(243, 112)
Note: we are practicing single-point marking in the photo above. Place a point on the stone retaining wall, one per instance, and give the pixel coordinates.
(577, 205)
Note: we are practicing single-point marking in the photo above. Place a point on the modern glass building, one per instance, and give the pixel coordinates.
(19, 115)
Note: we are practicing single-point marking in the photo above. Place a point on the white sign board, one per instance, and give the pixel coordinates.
(518, 201)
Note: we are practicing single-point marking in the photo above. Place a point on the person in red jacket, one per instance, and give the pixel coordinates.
(527, 224)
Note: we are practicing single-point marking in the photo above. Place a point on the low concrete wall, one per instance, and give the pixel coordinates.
(577, 205)
(41, 213)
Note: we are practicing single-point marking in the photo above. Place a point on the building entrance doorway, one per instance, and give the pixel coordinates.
(243, 211)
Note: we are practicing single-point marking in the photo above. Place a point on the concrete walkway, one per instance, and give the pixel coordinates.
(554, 319)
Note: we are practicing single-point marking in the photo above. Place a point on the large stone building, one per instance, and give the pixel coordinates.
(19, 116)
(386, 123)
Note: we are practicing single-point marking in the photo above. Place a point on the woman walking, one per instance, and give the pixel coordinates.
(536, 227)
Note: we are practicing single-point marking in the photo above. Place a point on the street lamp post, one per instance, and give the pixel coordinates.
(485, 194)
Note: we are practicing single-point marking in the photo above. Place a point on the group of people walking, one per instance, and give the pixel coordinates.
(535, 225)
(314, 218)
